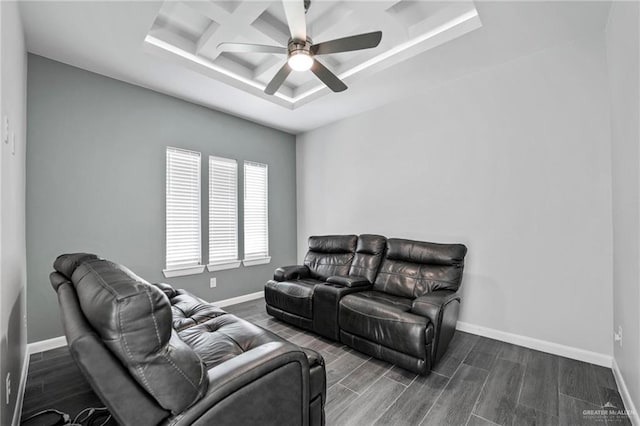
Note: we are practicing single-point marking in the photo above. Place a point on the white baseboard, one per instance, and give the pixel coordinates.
(239, 299)
(626, 397)
(537, 344)
(32, 348)
(46, 345)
(17, 411)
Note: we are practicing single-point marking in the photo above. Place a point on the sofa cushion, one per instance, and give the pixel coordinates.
(368, 256)
(330, 255)
(384, 319)
(67, 263)
(400, 303)
(224, 337)
(189, 310)
(413, 268)
(294, 296)
(133, 319)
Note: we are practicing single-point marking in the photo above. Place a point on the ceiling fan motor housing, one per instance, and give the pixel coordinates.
(301, 51)
(299, 55)
(297, 46)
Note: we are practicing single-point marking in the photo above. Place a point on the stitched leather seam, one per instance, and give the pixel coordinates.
(415, 277)
(298, 297)
(349, 261)
(362, 267)
(387, 302)
(102, 282)
(329, 253)
(153, 317)
(137, 366)
(382, 318)
(179, 370)
(382, 300)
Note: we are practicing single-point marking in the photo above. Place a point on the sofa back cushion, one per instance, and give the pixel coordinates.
(369, 252)
(330, 255)
(414, 268)
(133, 319)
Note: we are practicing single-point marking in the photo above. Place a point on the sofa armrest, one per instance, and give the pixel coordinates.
(294, 272)
(431, 305)
(256, 379)
(441, 307)
(349, 281)
(166, 289)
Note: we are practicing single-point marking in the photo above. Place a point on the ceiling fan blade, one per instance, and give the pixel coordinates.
(327, 77)
(294, 10)
(250, 48)
(278, 79)
(348, 44)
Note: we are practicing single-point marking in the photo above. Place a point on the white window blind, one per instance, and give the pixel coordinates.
(223, 213)
(256, 217)
(183, 250)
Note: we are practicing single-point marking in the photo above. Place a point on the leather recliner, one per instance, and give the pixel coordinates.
(405, 312)
(160, 356)
(308, 295)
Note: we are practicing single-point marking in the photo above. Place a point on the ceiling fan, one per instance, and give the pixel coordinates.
(301, 52)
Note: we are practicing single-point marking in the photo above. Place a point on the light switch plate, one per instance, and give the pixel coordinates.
(212, 282)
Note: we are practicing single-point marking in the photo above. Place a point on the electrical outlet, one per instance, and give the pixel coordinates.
(7, 384)
(212, 282)
(617, 337)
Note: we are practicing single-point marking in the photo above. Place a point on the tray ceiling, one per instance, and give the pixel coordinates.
(188, 33)
(107, 37)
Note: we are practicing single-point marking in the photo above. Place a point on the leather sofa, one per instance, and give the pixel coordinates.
(393, 299)
(160, 356)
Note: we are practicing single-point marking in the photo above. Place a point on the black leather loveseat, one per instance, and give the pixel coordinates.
(393, 299)
(157, 355)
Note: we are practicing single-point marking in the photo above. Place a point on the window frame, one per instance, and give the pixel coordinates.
(264, 258)
(176, 271)
(227, 263)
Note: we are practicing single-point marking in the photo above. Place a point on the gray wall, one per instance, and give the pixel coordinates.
(513, 161)
(13, 270)
(622, 60)
(96, 180)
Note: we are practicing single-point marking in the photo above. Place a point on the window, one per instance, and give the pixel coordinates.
(183, 244)
(256, 214)
(223, 214)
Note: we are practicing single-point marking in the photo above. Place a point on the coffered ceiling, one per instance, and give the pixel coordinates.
(170, 47)
(189, 32)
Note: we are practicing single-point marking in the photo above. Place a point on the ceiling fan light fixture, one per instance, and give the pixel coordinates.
(300, 60)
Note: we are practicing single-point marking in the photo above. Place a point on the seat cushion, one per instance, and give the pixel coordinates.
(223, 337)
(295, 296)
(189, 310)
(384, 319)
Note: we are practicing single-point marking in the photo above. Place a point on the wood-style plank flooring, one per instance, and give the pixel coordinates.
(479, 381)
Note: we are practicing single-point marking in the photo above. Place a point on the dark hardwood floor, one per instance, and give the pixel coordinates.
(478, 382)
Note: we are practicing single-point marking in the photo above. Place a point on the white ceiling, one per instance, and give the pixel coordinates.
(108, 38)
(189, 32)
